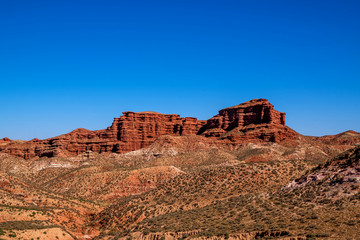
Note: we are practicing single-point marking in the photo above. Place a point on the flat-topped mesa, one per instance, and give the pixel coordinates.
(251, 115)
(139, 129)
(255, 111)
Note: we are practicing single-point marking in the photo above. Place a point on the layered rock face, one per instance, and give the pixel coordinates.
(137, 130)
(257, 111)
(252, 121)
(130, 132)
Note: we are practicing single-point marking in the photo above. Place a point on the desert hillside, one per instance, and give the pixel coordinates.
(242, 174)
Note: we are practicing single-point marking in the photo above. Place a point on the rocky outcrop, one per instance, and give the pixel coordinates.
(256, 111)
(137, 130)
(252, 121)
(130, 132)
(255, 120)
(5, 140)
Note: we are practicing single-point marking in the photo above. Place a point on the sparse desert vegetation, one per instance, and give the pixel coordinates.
(256, 181)
(184, 193)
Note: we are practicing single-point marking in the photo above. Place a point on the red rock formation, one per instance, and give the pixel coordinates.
(138, 130)
(5, 140)
(256, 111)
(130, 132)
(252, 121)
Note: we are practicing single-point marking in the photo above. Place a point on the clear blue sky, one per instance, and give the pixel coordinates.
(69, 64)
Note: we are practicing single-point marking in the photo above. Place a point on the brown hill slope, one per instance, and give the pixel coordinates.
(245, 201)
(24, 207)
(337, 178)
(177, 177)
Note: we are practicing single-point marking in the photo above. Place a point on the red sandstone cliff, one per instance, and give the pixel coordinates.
(137, 130)
(130, 132)
(255, 120)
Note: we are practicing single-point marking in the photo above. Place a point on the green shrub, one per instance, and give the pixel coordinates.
(12, 235)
